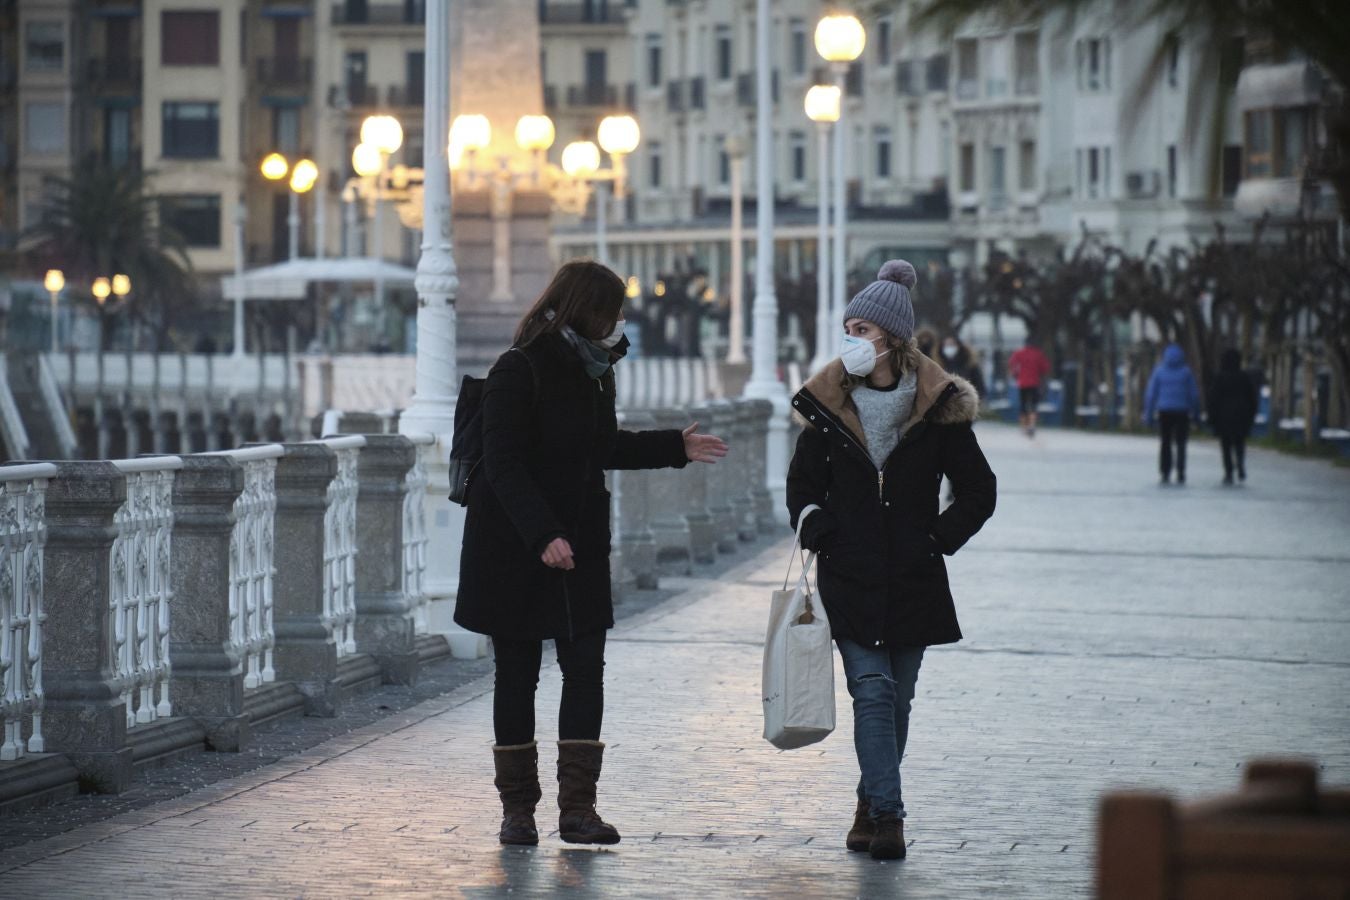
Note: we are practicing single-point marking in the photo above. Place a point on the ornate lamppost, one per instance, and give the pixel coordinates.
(840, 39)
(823, 107)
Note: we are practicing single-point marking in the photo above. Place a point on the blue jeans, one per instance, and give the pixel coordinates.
(881, 682)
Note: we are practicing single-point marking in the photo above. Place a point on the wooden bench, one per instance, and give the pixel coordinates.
(1279, 838)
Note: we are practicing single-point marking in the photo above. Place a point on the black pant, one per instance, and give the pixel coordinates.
(1175, 426)
(1234, 450)
(583, 691)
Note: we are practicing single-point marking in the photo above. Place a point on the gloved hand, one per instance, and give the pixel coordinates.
(818, 530)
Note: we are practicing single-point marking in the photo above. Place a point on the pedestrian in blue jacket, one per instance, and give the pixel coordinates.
(1173, 398)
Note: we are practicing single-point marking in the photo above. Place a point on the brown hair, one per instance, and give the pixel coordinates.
(584, 294)
(904, 358)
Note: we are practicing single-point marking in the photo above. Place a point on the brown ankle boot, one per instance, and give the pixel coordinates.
(859, 838)
(889, 840)
(578, 771)
(518, 785)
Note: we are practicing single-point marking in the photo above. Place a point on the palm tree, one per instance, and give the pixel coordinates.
(105, 220)
(1318, 29)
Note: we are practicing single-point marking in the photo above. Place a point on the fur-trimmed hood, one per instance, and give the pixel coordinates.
(941, 398)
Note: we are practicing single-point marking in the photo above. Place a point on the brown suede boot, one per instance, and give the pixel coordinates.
(518, 785)
(859, 838)
(889, 841)
(578, 771)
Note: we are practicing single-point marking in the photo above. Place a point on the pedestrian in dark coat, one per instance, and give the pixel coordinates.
(535, 560)
(1232, 410)
(958, 359)
(1173, 399)
(882, 426)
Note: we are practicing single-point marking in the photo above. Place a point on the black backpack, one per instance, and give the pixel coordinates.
(466, 446)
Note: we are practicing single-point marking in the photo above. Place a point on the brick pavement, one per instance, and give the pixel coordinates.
(1117, 634)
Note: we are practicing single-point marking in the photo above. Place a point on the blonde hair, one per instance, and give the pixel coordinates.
(904, 358)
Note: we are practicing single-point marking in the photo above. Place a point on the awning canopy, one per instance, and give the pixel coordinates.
(290, 280)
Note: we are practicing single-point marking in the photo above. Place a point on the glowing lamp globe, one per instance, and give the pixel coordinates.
(274, 167)
(822, 103)
(619, 134)
(121, 285)
(840, 38)
(54, 281)
(366, 160)
(101, 288)
(534, 133)
(581, 159)
(383, 132)
(304, 176)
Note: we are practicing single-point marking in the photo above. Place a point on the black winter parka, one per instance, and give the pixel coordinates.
(542, 477)
(879, 533)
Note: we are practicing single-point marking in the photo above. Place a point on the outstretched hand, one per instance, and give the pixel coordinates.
(704, 448)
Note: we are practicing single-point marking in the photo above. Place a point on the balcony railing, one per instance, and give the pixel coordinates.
(362, 95)
(114, 74)
(359, 13)
(597, 12)
(584, 95)
(406, 95)
(285, 71)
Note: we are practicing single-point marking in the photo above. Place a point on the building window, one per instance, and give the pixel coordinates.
(998, 176)
(1172, 170)
(190, 38)
(722, 39)
(797, 47)
(654, 164)
(1026, 166)
(1293, 127)
(797, 149)
(415, 66)
(286, 130)
(1231, 168)
(354, 74)
(44, 46)
(853, 79)
(1094, 64)
(884, 42)
(1026, 66)
(1173, 61)
(966, 181)
(596, 67)
(194, 216)
(723, 160)
(45, 128)
(1094, 172)
(117, 136)
(191, 131)
(936, 74)
(882, 138)
(1257, 141)
(654, 60)
(967, 68)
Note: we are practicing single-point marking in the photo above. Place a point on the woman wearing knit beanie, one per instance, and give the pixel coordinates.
(883, 425)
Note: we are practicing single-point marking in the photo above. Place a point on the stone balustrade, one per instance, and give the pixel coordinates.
(162, 605)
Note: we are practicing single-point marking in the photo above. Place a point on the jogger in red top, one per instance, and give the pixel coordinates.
(1029, 367)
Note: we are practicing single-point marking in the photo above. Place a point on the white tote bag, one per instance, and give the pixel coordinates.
(798, 662)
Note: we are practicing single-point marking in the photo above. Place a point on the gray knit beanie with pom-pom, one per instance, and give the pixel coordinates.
(886, 302)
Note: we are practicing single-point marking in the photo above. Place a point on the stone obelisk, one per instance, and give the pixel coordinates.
(501, 225)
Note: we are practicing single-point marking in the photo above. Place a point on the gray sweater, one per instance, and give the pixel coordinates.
(884, 414)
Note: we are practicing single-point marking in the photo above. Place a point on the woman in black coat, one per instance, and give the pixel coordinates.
(1232, 409)
(883, 425)
(535, 560)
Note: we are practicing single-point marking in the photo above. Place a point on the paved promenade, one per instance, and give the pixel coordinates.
(1118, 633)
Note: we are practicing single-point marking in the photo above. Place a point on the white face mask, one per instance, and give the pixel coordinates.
(949, 351)
(859, 355)
(614, 336)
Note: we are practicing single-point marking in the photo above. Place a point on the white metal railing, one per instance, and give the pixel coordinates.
(251, 563)
(142, 587)
(56, 410)
(23, 533)
(654, 382)
(339, 544)
(11, 423)
(415, 533)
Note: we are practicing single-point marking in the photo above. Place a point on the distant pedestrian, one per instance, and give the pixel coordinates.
(1232, 410)
(1029, 368)
(535, 561)
(883, 424)
(926, 339)
(1173, 398)
(958, 359)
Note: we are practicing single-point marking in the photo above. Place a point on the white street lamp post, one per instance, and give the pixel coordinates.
(735, 147)
(237, 355)
(764, 381)
(601, 238)
(840, 39)
(822, 107)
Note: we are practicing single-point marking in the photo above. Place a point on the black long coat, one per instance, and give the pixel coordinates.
(881, 539)
(542, 478)
(1232, 403)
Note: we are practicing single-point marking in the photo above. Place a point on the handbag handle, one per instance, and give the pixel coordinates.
(807, 560)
